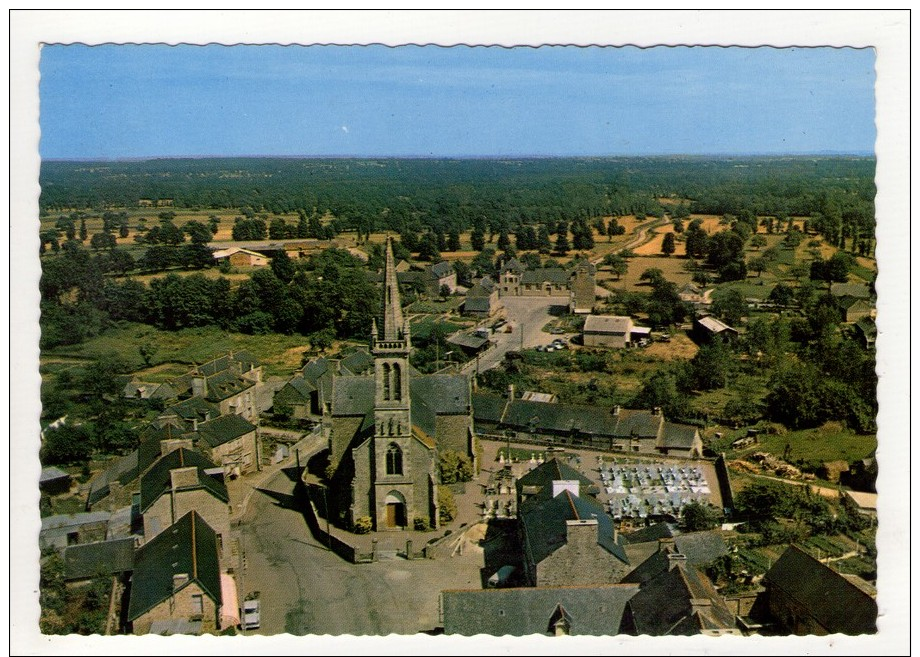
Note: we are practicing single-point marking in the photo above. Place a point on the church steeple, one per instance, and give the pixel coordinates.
(393, 324)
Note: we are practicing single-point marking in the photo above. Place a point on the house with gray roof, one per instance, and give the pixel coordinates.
(231, 441)
(607, 331)
(72, 529)
(547, 480)
(180, 482)
(700, 548)
(516, 280)
(570, 540)
(574, 425)
(547, 611)
(708, 328)
(177, 577)
(806, 596)
(481, 298)
(103, 558)
(53, 480)
(676, 598)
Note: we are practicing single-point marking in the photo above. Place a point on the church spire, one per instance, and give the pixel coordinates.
(393, 325)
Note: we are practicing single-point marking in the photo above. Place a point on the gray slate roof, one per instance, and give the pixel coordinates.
(488, 407)
(713, 325)
(123, 470)
(858, 290)
(590, 610)
(189, 546)
(538, 483)
(664, 604)
(226, 384)
(223, 429)
(442, 269)
(240, 361)
(52, 474)
(545, 275)
(834, 602)
(94, 559)
(158, 481)
(462, 339)
(545, 528)
(477, 303)
(352, 395)
(678, 435)
(358, 362)
(194, 408)
(607, 324)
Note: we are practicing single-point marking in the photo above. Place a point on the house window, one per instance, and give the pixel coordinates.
(197, 604)
(394, 460)
(386, 381)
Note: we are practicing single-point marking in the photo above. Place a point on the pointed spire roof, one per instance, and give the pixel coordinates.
(392, 308)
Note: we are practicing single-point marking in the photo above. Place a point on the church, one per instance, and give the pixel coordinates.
(386, 429)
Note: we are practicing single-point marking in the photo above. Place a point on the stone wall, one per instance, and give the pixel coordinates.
(181, 606)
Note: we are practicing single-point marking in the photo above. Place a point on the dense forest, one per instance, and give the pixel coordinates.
(409, 195)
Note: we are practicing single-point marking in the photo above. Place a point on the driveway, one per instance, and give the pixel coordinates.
(527, 316)
(305, 589)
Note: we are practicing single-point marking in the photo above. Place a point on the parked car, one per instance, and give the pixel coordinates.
(252, 614)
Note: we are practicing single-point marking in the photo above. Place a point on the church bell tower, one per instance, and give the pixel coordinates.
(393, 477)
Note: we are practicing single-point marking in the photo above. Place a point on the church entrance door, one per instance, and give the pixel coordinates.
(396, 510)
(396, 514)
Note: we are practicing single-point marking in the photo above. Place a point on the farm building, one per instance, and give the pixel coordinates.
(611, 331)
(239, 257)
(707, 328)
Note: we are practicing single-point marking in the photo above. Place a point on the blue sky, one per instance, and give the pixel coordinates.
(155, 100)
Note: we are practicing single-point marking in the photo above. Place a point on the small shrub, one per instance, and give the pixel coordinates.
(420, 525)
(363, 525)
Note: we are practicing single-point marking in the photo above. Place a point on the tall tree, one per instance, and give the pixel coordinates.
(667, 244)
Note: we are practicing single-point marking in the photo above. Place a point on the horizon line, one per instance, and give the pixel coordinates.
(145, 158)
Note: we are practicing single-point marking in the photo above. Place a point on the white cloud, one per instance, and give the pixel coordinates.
(345, 129)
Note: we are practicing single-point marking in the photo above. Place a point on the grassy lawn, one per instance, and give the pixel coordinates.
(278, 353)
(828, 443)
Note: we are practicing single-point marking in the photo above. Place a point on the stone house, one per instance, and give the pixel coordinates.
(613, 430)
(570, 540)
(73, 529)
(309, 392)
(177, 578)
(676, 598)
(181, 481)
(806, 596)
(481, 298)
(230, 441)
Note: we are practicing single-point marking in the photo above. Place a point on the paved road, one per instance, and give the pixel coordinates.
(527, 316)
(306, 589)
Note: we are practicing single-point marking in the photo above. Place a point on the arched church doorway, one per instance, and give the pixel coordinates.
(395, 510)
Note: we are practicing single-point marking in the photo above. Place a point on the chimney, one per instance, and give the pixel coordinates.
(183, 477)
(666, 545)
(581, 533)
(511, 392)
(561, 485)
(675, 559)
(199, 386)
(179, 580)
(172, 444)
(657, 410)
(616, 409)
(194, 424)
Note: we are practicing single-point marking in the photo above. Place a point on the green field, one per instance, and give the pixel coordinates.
(279, 353)
(818, 445)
